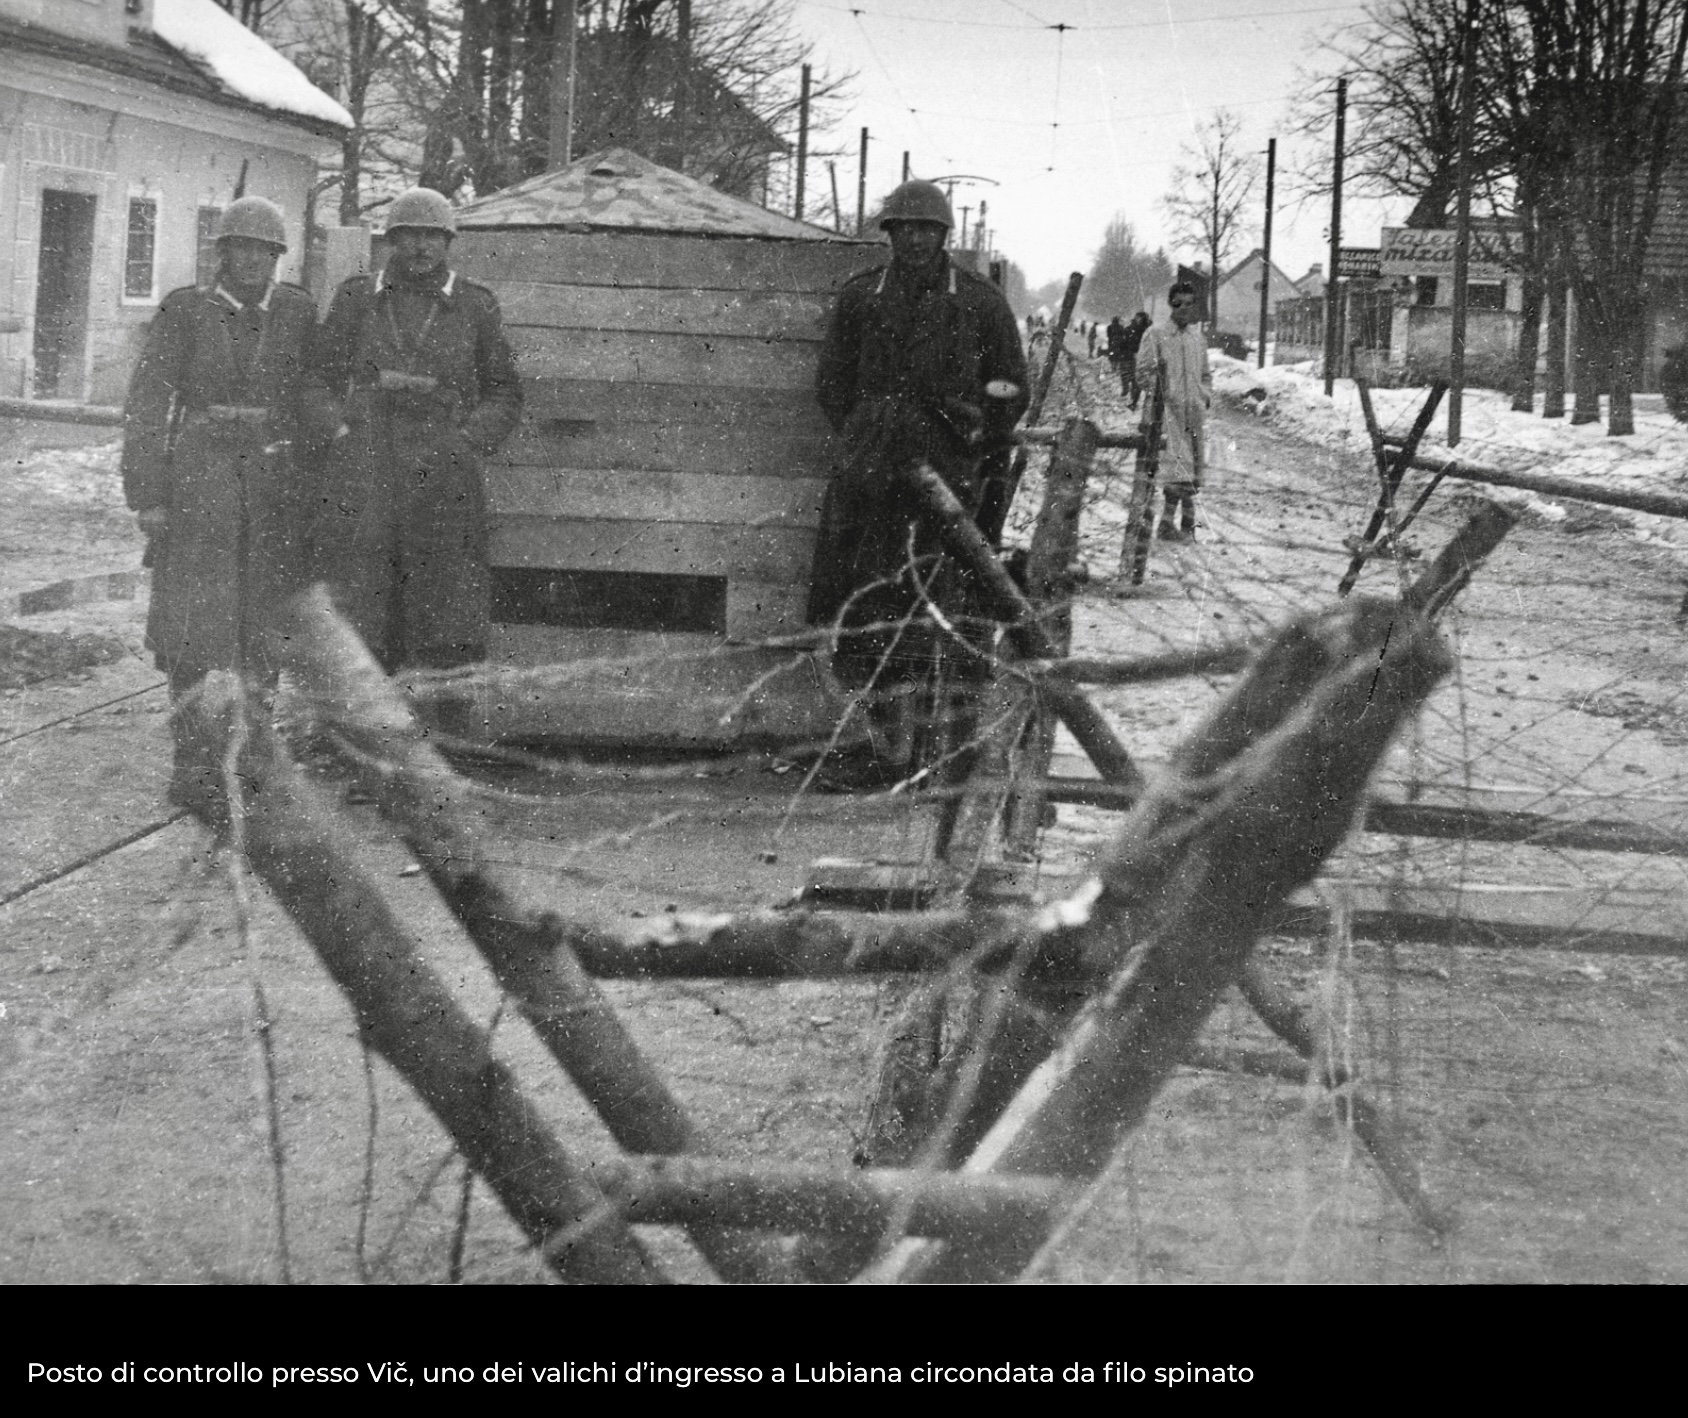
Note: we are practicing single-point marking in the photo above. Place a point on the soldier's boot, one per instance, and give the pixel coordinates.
(196, 771)
(201, 721)
(1187, 516)
(1168, 521)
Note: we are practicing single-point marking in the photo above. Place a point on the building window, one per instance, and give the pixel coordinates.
(140, 252)
(1485, 295)
(1424, 292)
(205, 272)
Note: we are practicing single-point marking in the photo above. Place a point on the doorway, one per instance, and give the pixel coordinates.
(61, 294)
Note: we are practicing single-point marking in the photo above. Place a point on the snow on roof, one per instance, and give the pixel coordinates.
(617, 190)
(211, 38)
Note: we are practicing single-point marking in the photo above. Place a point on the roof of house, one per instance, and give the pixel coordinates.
(617, 190)
(211, 39)
(195, 49)
(1253, 256)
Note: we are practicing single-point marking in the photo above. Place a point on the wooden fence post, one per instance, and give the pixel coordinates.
(1049, 563)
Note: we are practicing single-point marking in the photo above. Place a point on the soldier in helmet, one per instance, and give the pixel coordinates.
(922, 360)
(209, 429)
(415, 366)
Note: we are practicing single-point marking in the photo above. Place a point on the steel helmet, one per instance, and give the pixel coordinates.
(255, 217)
(422, 207)
(917, 201)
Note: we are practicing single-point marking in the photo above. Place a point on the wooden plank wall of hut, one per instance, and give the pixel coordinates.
(671, 432)
(671, 425)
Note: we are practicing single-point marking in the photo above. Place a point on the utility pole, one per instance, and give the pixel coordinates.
(683, 87)
(560, 151)
(962, 244)
(979, 233)
(802, 140)
(1335, 241)
(905, 164)
(1462, 223)
(837, 211)
(861, 187)
(1266, 250)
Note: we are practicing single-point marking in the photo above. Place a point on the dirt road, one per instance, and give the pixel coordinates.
(1545, 1090)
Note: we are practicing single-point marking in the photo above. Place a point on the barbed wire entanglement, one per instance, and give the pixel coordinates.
(1248, 1168)
(1567, 706)
(1533, 1069)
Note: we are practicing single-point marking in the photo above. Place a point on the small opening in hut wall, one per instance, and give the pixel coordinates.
(609, 600)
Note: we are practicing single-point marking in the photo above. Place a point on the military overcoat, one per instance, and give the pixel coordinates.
(403, 527)
(210, 427)
(915, 351)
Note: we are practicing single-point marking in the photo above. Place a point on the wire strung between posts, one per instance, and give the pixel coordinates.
(89, 858)
(82, 713)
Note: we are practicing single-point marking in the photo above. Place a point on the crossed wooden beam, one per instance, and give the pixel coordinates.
(1135, 960)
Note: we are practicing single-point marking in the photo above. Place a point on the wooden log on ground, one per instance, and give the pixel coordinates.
(1107, 438)
(784, 1197)
(528, 951)
(1446, 821)
(300, 852)
(1660, 504)
(1144, 669)
(1261, 794)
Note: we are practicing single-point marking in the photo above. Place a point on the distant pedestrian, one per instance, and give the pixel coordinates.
(1091, 335)
(1176, 354)
(210, 430)
(1123, 343)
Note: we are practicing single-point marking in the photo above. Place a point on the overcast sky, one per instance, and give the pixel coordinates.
(1073, 125)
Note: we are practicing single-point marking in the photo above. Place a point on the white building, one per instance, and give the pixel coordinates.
(125, 126)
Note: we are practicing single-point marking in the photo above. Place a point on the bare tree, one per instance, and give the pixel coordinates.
(346, 48)
(1209, 199)
(1606, 75)
(1576, 107)
(712, 88)
(1402, 127)
(1123, 275)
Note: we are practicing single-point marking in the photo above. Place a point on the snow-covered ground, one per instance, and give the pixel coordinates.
(1653, 459)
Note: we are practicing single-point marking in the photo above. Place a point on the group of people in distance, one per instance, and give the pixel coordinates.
(264, 450)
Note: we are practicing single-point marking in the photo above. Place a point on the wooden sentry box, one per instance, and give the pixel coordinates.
(654, 517)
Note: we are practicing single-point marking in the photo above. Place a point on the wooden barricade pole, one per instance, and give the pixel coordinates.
(993, 515)
(963, 540)
(1140, 515)
(301, 853)
(528, 950)
(1183, 896)
(1053, 550)
(1390, 471)
(1049, 562)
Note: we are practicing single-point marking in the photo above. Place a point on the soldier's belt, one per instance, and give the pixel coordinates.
(247, 415)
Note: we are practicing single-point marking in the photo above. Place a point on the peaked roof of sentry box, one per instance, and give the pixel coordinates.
(617, 190)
